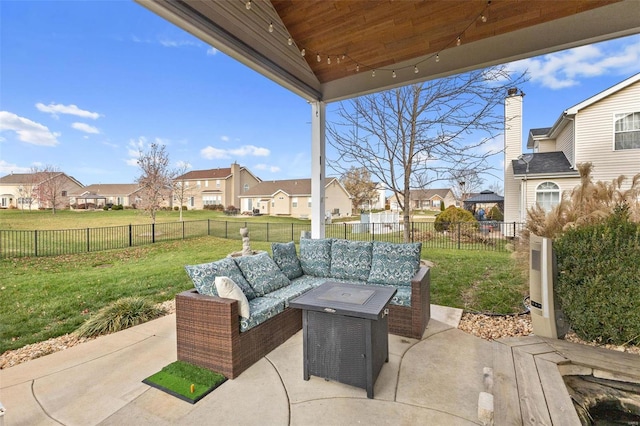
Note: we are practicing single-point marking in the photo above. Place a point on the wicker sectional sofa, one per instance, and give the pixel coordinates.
(212, 334)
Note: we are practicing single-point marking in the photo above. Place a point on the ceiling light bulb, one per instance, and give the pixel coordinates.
(483, 17)
(270, 27)
(328, 60)
(303, 52)
(373, 73)
(437, 57)
(393, 74)
(289, 41)
(318, 57)
(248, 5)
(458, 41)
(416, 70)
(357, 67)
(338, 59)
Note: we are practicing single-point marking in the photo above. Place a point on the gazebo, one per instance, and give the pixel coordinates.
(485, 200)
(331, 50)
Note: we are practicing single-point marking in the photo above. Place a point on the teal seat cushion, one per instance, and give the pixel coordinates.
(351, 260)
(285, 256)
(261, 309)
(402, 296)
(310, 280)
(204, 275)
(315, 256)
(394, 263)
(290, 292)
(263, 274)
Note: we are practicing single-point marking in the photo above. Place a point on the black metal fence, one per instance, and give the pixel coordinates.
(478, 235)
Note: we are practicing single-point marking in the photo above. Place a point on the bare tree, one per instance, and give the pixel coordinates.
(155, 180)
(48, 186)
(413, 136)
(357, 181)
(27, 191)
(180, 186)
(464, 182)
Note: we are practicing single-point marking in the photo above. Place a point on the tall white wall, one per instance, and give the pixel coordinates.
(512, 149)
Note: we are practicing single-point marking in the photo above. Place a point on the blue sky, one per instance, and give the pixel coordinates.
(85, 84)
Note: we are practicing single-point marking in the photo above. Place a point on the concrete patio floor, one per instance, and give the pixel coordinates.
(433, 381)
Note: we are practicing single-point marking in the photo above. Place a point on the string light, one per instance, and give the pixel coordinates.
(341, 58)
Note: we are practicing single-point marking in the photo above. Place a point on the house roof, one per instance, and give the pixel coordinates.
(390, 37)
(544, 163)
(107, 189)
(427, 194)
(568, 114)
(221, 173)
(32, 178)
(291, 187)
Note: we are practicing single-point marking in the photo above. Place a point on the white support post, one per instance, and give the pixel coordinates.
(318, 123)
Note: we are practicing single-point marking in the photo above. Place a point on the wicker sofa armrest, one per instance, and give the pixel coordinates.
(421, 292)
(411, 321)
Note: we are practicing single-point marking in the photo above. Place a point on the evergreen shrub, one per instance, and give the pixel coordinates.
(599, 279)
(453, 214)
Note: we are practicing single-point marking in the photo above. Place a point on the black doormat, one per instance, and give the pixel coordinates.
(185, 381)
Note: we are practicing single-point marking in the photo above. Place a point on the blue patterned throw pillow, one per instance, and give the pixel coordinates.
(204, 275)
(351, 260)
(262, 273)
(315, 256)
(284, 254)
(394, 264)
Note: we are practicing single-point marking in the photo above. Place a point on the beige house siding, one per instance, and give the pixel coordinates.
(548, 145)
(10, 191)
(513, 148)
(595, 136)
(564, 143)
(530, 187)
(337, 202)
(281, 204)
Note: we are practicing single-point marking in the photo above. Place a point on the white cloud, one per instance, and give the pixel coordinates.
(55, 109)
(211, 51)
(176, 43)
(131, 162)
(28, 131)
(6, 168)
(183, 164)
(272, 169)
(224, 138)
(211, 153)
(565, 69)
(83, 127)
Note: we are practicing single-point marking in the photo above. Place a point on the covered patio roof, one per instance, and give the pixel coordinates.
(414, 40)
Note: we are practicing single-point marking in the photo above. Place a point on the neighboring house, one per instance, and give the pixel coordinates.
(603, 130)
(222, 186)
(98, 195)
(426, 199)
(293, 198)
(32, 190)
(377, 203)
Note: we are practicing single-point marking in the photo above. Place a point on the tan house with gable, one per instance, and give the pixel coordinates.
(426, 199)
(293, 198)
(31, 191)
(222, 186)
(101, 194)
(603, 130)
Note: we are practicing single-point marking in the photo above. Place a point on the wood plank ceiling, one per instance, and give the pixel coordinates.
(352, 38)
(379, 34)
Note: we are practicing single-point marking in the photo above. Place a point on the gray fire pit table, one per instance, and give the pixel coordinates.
(345, 332)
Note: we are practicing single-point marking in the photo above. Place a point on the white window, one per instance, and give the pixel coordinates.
(547, 195)
(198, 184)
(211, 200)
(309, 202)
(206, 183)
(246, 187)
(218, 183)
(192, 201)
(627, 131)
(294, 202)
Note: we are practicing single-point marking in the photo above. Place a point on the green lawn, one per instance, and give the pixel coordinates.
(46, 297)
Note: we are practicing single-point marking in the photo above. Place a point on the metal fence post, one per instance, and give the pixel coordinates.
(153, 232)
(183, 229)
(88, 239)
(130, 236)
(458, 235)
(35, 236)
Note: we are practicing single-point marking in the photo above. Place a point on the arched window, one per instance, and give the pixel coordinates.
(547, 195)
(246, 187)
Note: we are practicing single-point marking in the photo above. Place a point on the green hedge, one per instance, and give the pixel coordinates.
(599, 280)
(453, 214)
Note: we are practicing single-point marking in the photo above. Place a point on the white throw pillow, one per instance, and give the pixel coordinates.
(230, 290)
